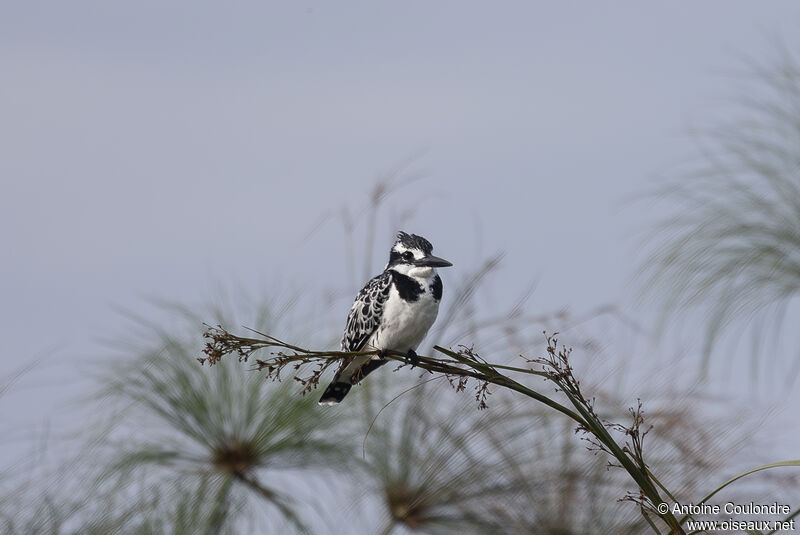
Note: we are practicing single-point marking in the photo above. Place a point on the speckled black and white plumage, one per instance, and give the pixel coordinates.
(365, 314)
(393, 311)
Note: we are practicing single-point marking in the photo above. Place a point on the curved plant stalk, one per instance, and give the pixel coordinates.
(747, 473)
(458, 368)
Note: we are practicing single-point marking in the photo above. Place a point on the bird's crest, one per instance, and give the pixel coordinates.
(412, 241)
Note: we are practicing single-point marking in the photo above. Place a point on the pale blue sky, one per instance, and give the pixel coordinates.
(154, 148)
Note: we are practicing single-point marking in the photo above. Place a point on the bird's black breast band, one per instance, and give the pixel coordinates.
(408, 288)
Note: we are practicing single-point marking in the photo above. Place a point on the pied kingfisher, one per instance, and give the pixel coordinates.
(393, 311)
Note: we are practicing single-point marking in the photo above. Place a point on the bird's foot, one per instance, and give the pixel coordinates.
(382, 354)
(412, 358)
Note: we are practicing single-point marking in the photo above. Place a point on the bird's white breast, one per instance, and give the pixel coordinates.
(405, 323)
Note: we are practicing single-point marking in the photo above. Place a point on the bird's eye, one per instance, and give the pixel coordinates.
(408, 255)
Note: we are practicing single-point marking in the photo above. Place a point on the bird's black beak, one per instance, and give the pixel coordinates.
(433, 261)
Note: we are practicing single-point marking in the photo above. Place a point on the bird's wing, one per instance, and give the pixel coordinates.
(366, 312)
(363, 320)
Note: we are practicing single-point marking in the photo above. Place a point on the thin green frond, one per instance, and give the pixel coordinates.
(730, 247)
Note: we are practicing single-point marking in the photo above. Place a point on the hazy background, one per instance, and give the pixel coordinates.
(157, 149)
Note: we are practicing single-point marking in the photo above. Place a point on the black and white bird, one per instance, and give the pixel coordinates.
(393, 311)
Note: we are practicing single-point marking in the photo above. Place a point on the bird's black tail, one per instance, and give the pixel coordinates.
(339, 388)
(335, 393)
